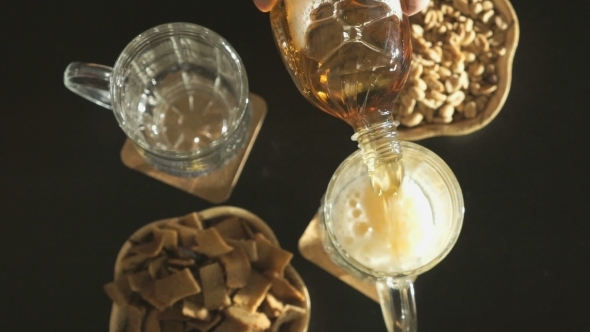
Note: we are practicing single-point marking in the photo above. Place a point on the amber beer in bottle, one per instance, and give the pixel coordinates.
(350, 58)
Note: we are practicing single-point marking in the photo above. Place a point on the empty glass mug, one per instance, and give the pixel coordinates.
(392, 246)
(179, 91)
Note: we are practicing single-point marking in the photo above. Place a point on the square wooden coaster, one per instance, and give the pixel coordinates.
(215, 187)
(311, 247)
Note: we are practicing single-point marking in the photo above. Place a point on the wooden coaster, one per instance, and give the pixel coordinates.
(215, 187)
(310, 247)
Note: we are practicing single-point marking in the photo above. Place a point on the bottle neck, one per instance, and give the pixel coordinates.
(379, 144)
(382, 153)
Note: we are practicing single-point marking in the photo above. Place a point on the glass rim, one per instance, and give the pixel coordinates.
(453, 187)
(186, 29)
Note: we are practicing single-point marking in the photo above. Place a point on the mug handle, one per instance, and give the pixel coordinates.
(90, 81)
(398, 304)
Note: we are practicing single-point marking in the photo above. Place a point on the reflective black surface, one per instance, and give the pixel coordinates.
(67, 202)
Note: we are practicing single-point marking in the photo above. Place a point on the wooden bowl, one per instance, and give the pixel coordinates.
(118, 316)
(496, 102)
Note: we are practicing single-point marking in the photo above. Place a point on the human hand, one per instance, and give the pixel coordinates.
(413, 6)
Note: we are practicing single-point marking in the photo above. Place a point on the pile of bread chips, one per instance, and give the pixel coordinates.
(185, 276)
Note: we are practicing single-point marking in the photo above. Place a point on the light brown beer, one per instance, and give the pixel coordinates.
(350, 58)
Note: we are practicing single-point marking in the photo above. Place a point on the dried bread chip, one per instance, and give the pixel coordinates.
(186, 235)
(214, 291)
(146, 237)
(210, 243)
(176, 287)
(116, 294)
(192, 220)
(251, 296)
(152, 248)
(135, 316)
(152, 322)
(249, 247)
(174, 313)
(169, 238)
(231, 228)
(272, 260)
(155, 265)
(251, 320)
(149, 295)
(283, 289)
(194, 310)
(140, 281)
(231, 326)
(184, 262)
(272, 307)
(290, 313)
(237, 268)
(133, 262)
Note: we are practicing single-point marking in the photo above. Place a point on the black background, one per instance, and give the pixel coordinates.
(67, 203)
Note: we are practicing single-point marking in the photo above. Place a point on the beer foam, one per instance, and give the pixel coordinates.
(403, 239)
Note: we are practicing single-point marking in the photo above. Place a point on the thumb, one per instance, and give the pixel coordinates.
(264, 5)
(414, 6)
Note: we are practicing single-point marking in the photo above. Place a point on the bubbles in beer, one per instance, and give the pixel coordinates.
(400, 237)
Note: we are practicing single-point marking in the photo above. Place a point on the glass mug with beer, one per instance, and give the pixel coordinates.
(393, 209)
(391, 244)
(179, 91)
